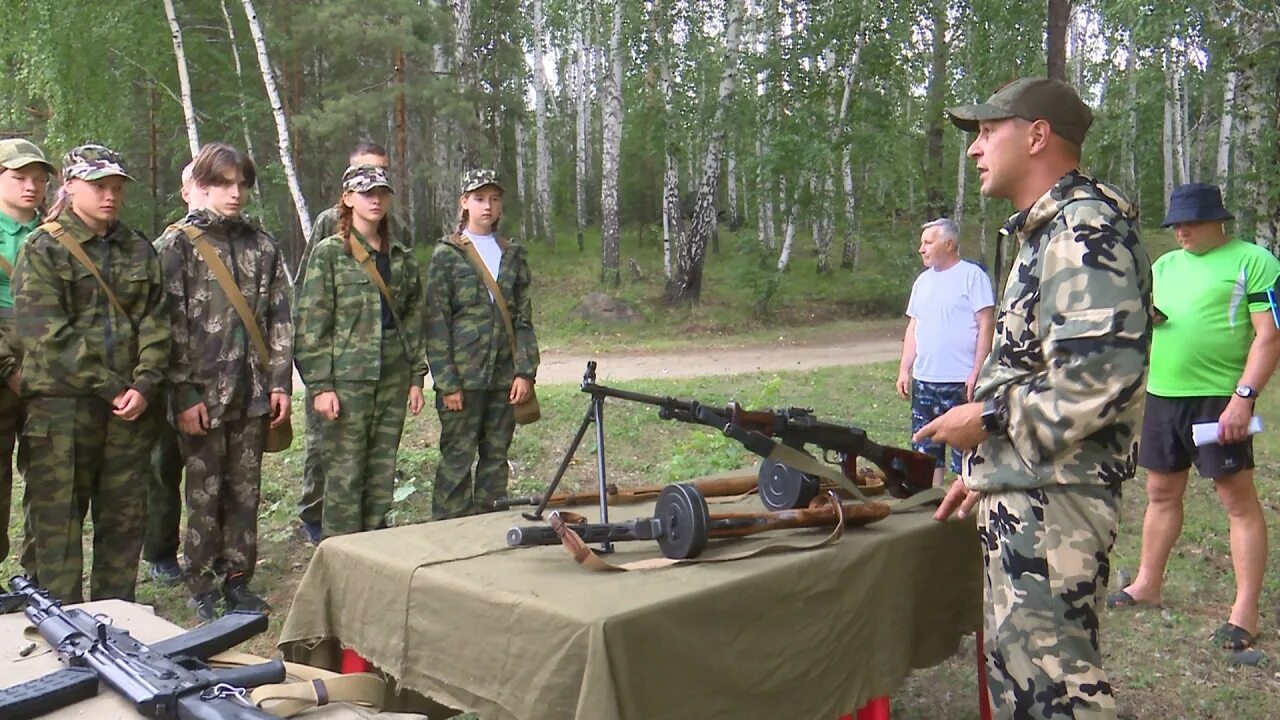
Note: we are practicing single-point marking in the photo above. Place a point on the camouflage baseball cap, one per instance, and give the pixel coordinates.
(1031, 99)
(363, 178)
(478, 178)
(93, 162)
(16, 153)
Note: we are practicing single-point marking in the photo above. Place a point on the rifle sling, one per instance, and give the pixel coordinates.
(370, 268)
(473, 256)
(315, 687)
(6, 267)
(229, 288)
(59, 233)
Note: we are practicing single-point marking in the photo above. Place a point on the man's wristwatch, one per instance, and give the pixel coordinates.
(1246, 392)
(995, 416)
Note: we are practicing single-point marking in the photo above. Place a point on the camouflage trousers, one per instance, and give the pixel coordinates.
(164, 494)
(484, 427)
(82, 459)
(931, 400)
(311, 504)
(1047, 558)
(224, 481)
(358, 450)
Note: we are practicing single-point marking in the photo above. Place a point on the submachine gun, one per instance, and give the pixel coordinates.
(168, 680)
(766, 433)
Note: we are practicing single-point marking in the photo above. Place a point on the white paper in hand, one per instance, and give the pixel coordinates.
(1207, 433)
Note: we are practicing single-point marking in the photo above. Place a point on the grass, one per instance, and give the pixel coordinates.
(1161, 661)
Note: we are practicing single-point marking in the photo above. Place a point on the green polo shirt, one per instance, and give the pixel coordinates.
(12, 235)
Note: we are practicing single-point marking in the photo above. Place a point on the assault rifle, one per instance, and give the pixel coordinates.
(168, 680)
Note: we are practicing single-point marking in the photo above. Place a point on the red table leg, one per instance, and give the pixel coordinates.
(353, 663)
(984, 697)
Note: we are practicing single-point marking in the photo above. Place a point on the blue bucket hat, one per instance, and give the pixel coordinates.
(1195, 202)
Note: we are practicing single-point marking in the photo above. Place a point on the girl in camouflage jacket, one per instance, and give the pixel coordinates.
(358, 344)
(477, 379)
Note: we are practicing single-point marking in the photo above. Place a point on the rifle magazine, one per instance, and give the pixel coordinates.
(46, 694)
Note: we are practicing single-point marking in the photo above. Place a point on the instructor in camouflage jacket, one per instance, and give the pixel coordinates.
(223, 396)
(93, 364)
(477, 381)
(361, 357)
(1054, 430)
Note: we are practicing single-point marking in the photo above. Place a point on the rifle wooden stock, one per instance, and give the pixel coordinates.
(725, 525)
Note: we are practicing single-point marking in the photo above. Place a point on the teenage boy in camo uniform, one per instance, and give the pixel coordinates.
(223, 396)
(92, 367)
(24, 177)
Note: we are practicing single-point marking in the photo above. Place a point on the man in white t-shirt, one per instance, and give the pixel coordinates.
(952, 311)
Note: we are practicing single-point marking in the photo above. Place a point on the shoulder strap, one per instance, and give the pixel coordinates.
(59, 233)
(314, 687)
(473, 255)
(6, 266)
(367, 264)
(230, 289)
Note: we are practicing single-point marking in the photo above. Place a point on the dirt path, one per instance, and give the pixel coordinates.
(876, 343)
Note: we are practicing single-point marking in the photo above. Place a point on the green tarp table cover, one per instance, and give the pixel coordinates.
(525, 633)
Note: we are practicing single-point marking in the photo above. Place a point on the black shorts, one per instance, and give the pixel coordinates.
(1166, 444)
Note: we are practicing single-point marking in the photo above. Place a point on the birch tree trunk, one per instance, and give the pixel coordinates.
(1167, 144)
(672, 222)
(957, 212)
(731, 191)
(1179, 128)
(1223, 165)
(282, 125)
(235, 57)
(823, 225)
(788, 231)
(542, 167)
(849, 254)
(691, 253)
(764, 201)
(580, 133)
(526, 207)
(1130, 159)
(612, 151)
(184, 80)
(936, 96)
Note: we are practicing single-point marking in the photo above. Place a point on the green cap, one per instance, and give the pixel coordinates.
(1031, 99)
(93, 162)
(17, 153)
(363, 178)
(478, 178)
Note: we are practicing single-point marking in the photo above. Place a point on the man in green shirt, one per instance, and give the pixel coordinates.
(24, 176)
(1213, 351)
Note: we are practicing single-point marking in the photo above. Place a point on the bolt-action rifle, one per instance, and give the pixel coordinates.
(169, 679)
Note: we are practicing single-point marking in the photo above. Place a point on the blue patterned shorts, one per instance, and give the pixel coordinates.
(928, 401)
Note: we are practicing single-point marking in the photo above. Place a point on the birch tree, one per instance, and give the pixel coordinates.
(1223, 164)
(235, 58)
(184, 79)
(277, 111)
(581, 88)
(542, 161)
(612, 150)
(691, 253)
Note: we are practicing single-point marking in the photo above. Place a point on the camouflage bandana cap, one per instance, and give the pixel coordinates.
(364, 178)
(93, 162)
(17, 153)
(1031, 99)
(476, 179)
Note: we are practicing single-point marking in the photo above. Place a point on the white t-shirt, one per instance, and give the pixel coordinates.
(944, 304)
(490, 253)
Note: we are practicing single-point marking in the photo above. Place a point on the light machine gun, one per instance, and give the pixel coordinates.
(168, 680)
